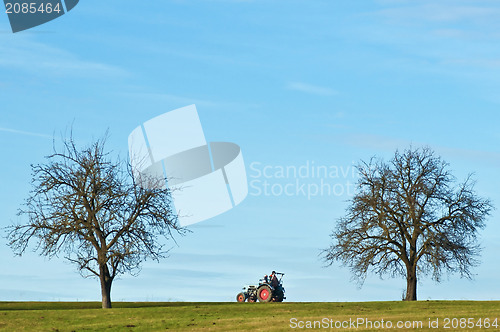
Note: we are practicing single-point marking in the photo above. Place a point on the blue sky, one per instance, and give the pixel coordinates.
(294, 83)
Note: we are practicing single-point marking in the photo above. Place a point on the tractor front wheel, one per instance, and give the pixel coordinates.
(264, 293)
(240, 297)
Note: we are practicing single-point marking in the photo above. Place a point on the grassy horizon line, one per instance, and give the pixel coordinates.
(231, 316)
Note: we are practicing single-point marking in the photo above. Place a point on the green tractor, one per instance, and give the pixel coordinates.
(270, 289)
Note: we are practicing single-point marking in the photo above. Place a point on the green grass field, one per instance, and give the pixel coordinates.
(181, 316)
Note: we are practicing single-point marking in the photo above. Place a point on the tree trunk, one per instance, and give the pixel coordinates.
(106, 281)
(411, 285)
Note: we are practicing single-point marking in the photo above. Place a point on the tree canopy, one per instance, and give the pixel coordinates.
(409, 217)
(89, 207)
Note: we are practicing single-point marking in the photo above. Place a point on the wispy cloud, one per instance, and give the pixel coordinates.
(376, 142)
(165, 97)
(37, 58)
(441, 12)
(186, 100)
(390, 144)
(311, 89)
(485, 63)
(458, 39)
(25, 133)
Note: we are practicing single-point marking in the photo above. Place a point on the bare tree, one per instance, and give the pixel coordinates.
(89, 207)
(409, 218)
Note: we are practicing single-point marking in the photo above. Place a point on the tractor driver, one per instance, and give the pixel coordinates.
(274, 280)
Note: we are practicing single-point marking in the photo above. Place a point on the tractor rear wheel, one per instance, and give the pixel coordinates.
(264, 293)
(240, 297)
(279, 295)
